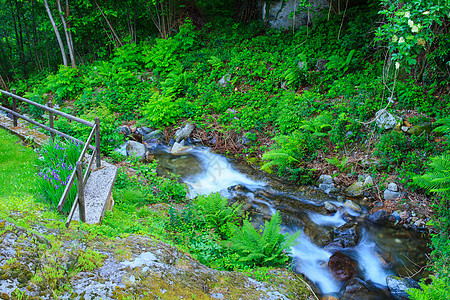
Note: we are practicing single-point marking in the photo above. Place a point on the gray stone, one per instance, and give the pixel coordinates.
(183, 132)
(347, 235)
(154, 135)
(355, 190)
(122, 150)
(396, 215)
(330, 207)
(143, 130)
(390, 195)
(404, 128)
(136, 149)
(379, 217)
(404, 215)
(225, 80)
(124, 130)
(392, 187)
(386, 120)
(328, 188)
(368, 181)
(179, 148)
(321, 64)
(278, 13)
(352, 205)
(327, 179)
(398, 286)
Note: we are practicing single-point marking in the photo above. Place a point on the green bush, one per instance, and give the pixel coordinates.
(161, 110)
(270, 248)
(217, 213)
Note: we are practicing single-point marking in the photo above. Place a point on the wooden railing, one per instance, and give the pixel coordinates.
(78, 170)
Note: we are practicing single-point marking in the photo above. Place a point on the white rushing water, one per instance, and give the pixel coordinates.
(217, 175)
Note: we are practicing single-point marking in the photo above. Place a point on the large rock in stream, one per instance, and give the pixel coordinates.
(76, 265)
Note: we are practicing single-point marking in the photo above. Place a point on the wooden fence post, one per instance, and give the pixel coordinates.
(97, 143)
(50, 119)
(80, 188)
(14, 107)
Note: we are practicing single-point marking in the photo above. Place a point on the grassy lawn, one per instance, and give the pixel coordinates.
(17, 167)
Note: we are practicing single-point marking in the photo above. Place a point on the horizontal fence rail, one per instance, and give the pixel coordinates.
(78, 170)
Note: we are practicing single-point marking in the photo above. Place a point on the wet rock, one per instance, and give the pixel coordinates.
(153, 136)
(124, 130)
(122, 150)
(212, 141)
(328, 188)
(380, 217)
(398, 286)
(321, 64)
(143, 130)
(352, 205)
(347, 235)
(330, 207)
(355, 190)
(386, 120)
(183, 132)
(356, 288)
(342, 266)
(396, 215)
(392, 193)
(179, 148)
(135, 149)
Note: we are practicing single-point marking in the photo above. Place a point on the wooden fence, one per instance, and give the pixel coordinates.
(78, 170)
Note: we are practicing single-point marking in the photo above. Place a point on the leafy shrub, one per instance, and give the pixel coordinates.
(161, 110)
(267, 249)
(217, 213)
(66, 83)
(55, 167)
(163, 57)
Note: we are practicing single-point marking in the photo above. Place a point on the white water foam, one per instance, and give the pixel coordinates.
(217, 175)
(313, 262)
(369, 260)
(335, 220)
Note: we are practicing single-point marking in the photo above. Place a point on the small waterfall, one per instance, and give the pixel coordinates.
(217, 175)
(335, 220)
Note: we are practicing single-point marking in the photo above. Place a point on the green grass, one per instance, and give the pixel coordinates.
(17, 167)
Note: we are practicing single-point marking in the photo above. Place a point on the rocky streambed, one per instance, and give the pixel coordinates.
(350, 247)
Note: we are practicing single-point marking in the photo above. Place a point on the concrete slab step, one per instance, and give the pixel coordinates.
(97, 193)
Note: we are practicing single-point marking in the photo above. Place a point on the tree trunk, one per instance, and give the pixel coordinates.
(58, 37)
(66, 32)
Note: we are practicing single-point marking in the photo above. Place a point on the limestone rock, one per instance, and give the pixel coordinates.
(368, 182)
(347, 235)
(330, 207)
(392, 187)
(327, 179)
(153, 136)
(225, 80)
(398, 286)
(355, 190)
(352, 205)
(390, 195)
(183, 132)
(135, 149)
(124, 130)
(179, 148)
(386, 120)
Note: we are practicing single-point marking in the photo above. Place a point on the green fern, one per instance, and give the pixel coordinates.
(437, 179)
(271, 248)
(445, 127)
(217, 213)
(319, 125)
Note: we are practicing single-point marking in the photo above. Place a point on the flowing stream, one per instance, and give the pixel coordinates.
(378, 251)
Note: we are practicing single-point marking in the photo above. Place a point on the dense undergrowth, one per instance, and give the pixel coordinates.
(301, 116)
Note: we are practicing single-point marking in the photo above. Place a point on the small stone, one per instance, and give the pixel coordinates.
(404, 215)
(179, 148)
(386, 120)
(405, 128)
(368, 181)
(328, 188)
(392, 187)
(330, 207)
(355, 190)
(321, 64)
(352, 205)
(379, 217)
(396, 215)
(225, 80)
(327, 179)
(124, 130)
(390, 195)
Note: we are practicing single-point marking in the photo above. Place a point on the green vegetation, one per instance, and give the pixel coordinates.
(17, 167)
(304, 99)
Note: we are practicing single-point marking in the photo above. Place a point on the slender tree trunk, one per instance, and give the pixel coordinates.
(58, 37)
(66, 32)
